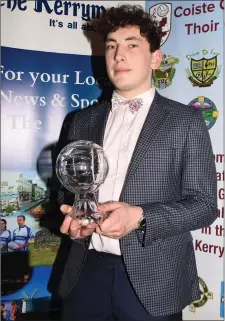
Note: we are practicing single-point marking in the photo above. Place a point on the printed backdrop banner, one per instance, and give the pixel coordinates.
(192, 73)
(50, 67)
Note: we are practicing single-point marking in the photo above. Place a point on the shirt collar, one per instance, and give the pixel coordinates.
(21, 226)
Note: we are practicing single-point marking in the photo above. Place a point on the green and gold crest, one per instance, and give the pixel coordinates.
(163, 76)
(205, 296)
(203, 72)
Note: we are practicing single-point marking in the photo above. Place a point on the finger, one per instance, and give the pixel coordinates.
(74, 229)
(84, 232)
(113, 235)
(110, 223)
(69, 225)
(111, 206)
(64, 228)
(101, 231)
(65, 209)
(98, 230)
(116, 235)
(91, 226)
(74, 226)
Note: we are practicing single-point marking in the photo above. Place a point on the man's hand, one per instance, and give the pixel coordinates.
(72, 227)
(122, 220)
(19, 248)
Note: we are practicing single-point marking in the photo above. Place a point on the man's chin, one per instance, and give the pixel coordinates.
(123, 86)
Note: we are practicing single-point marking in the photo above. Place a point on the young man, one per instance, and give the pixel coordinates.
(20, 236)
(139, 264)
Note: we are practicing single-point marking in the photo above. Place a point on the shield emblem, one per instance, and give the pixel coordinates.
(203, 69)
(162, 13)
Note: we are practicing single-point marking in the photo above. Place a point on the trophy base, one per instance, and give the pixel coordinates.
(85, 210)
(85, 220)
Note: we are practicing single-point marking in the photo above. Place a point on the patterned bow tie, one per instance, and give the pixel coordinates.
(134, 104)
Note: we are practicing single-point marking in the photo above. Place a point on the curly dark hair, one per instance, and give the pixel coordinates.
(4, 221)
(129, 15)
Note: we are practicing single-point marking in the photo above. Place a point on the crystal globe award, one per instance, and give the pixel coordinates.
(82, 167)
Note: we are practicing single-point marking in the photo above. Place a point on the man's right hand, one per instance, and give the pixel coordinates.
(72, 227)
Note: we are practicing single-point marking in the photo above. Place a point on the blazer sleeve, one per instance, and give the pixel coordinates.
(198, 205)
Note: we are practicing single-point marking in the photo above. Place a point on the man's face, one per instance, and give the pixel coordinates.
(129, 61)
(2, 226)
(20, 221)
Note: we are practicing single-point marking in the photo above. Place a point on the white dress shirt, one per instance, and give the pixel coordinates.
(121, 134)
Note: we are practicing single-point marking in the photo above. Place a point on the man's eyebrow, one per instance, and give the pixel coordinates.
(126, 39)
(110, 39)
(133, 38)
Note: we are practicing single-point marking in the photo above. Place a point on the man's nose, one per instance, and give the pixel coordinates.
(119, 54)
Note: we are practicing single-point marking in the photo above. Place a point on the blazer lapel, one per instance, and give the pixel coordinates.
(97, 122)
(155, 119)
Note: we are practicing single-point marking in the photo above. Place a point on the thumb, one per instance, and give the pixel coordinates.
(66, 209)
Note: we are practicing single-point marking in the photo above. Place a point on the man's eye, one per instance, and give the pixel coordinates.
(132, 46)
(110, 47)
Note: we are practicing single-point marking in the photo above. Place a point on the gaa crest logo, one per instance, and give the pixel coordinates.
(204, 71)
(162, 14)
(210, 112)
(163, 76)
(205, 296)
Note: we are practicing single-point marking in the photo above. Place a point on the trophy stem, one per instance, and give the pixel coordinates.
(85, 208)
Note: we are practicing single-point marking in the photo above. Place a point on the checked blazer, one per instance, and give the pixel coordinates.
(172, 176)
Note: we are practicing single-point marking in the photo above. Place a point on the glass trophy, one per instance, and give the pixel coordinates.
(82, 167)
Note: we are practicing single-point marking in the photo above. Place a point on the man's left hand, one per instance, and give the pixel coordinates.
(19, 248)
(123, 219)
(22, 246)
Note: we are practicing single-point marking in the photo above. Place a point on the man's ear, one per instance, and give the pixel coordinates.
(156, 59)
